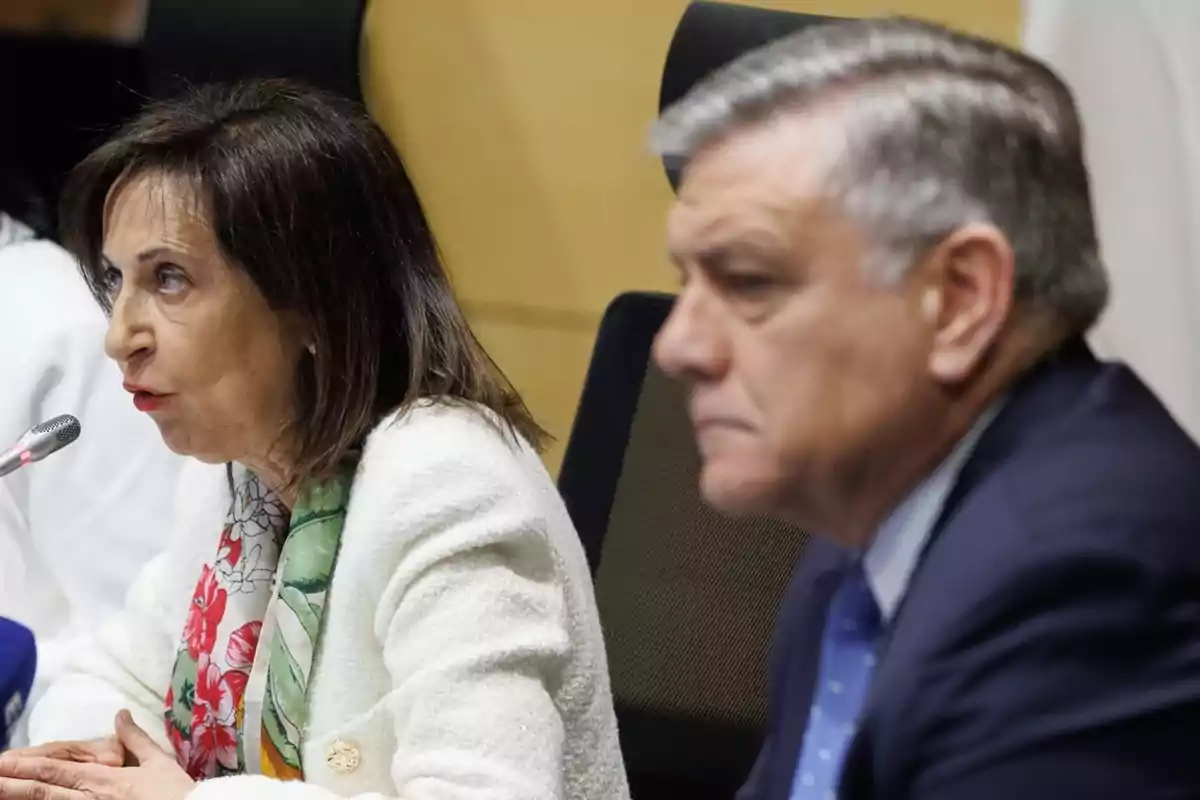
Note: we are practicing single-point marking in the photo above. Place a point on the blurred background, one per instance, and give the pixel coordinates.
(523, 125)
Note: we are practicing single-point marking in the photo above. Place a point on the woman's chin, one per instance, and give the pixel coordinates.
(182, 445)
(203, 456)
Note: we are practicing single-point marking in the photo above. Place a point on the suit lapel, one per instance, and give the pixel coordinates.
(1039, 398)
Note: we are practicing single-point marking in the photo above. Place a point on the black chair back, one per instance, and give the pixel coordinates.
(709, 36)
(201, 41)
(62, 98)
(687, 596)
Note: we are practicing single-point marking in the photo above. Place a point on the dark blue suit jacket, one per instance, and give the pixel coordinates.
(1048, 646)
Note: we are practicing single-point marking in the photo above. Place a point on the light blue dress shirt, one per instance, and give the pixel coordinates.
(860, 610)
(896, 547)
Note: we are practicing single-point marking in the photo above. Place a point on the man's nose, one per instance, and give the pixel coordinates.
(691, 345)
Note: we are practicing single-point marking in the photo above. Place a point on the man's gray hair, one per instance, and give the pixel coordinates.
(940, 130)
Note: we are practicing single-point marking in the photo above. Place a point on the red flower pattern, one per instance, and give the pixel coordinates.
(230, 548)
(214, 741)
(181, 746)
(205, 614)
(203, 730)
(242, 645)
(214, 726)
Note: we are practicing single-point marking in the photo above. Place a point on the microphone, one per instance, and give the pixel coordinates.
(40, 441)
(18, 665)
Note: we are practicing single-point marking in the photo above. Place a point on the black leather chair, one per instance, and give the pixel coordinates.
(202, 41)
(687, 596)
(94, 86)
(709, 36)
(61, 98)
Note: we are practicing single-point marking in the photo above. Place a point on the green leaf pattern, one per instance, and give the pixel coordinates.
(307, 563)
(303, 571)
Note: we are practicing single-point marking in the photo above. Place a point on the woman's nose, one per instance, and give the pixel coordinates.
(129, 336)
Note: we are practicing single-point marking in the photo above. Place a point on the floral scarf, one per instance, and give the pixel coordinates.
(234, 707)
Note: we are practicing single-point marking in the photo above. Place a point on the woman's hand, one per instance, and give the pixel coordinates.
(156, 775)
(107, 751)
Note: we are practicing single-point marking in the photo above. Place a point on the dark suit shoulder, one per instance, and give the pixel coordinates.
(1115, 466)
(1071, 669)
(1112, 478)
(1049, 645)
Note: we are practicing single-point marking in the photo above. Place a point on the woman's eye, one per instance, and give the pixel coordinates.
(110, 281)
(170, 279)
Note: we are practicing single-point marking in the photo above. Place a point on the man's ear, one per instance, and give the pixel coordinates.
(966, 298)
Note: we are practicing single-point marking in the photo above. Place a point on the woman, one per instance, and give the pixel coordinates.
(389, 598)
(77, 528)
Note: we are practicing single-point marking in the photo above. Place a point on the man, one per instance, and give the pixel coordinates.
(888, 257)
(76, 528)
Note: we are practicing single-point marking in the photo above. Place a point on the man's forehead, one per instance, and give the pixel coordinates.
(756, 181)
(787, 149)
(697, 227)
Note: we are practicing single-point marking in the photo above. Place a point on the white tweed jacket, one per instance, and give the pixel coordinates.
(461, 656)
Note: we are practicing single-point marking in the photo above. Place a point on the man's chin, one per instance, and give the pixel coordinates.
(738, 492)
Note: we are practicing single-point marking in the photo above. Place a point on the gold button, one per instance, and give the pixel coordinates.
(343, 757)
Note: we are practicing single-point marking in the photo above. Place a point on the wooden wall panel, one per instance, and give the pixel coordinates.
(523, 123)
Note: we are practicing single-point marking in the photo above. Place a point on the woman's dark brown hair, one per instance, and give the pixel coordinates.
(307, 195)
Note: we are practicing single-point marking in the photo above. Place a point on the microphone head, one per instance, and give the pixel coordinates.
(63, 427)
(51, 435)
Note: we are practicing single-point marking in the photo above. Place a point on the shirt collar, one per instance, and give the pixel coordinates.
(893, 554)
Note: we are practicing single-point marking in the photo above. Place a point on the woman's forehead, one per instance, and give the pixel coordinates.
(154, 207)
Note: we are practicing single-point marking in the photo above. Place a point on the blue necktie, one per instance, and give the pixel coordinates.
(847, 661)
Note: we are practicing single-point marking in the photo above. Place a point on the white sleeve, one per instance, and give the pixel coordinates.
(12, 559)
(124, 666)
(256, 787)
(126, 663)
(474, 630)
(102, 508)
(87, 519)
(471, 644)
(78, 527)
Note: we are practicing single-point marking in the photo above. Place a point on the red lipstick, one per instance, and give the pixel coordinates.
(144, 399)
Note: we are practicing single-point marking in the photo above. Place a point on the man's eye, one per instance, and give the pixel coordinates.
(748, 284)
